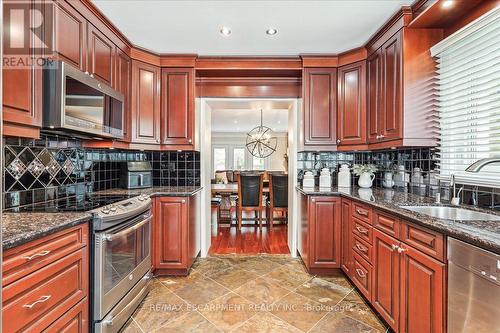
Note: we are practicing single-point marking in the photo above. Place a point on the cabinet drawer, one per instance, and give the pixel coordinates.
(386, 223)
(362, 275)
(362, 248)
(428, 241)
(362, 230)
(75, 320)
(25, 259)
(40, 298)
(362, 212)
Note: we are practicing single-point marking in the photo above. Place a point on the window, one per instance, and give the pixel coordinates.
(219, 156)
(239, 158)
(468, 72)
(258, 163)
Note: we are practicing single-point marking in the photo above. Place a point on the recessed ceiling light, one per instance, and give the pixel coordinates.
(447, 3)
(236, 121)
(271, 31)
(225, 31)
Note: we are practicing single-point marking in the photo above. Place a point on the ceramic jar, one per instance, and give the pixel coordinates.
(308, 180)
(325, 179)
(388, 182)
(344, 176)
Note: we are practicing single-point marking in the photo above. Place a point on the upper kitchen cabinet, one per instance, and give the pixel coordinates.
(21, 84)
(401, 89)
(70, 35)
(351, 119)
(145, 103)
(320, 108)
(177, 110)
(101, 56)
(123, 85)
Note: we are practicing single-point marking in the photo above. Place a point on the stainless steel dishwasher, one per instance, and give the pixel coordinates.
(473, 289)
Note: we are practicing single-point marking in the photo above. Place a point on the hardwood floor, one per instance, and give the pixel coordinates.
(249, 240)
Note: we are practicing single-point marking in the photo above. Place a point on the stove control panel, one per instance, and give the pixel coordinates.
(123, 208)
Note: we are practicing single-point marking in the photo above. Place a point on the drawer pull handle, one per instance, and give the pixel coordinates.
(395, 247)
(401, 249)
(362, 230)
(36, 255)
(362, 212)
(360, 273)
(361, 247)
(40, 300)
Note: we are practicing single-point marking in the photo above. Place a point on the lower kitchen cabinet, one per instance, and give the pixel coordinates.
(321, 234)
(176, 235)
(45, 286)
(346, 255)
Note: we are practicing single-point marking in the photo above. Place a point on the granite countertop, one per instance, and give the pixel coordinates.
(155, 191)
(21, 228)
(485, 233)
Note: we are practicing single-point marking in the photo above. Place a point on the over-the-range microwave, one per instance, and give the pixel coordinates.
(74, 101)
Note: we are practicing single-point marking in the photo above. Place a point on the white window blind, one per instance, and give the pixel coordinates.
(468, 73)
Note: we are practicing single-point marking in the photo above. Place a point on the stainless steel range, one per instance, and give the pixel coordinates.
(121, 261)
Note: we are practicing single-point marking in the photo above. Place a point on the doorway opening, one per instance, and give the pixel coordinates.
(248, 189)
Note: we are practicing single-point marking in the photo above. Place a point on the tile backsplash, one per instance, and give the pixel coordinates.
(387, 160)
(56, 167)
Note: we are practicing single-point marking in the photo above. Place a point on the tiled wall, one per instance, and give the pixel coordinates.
(54, 168)
(423, 158)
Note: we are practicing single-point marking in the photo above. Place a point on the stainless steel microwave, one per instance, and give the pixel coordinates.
(75, 101)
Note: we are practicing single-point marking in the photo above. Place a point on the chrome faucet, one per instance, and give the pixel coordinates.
(477, 166)
(455, 200)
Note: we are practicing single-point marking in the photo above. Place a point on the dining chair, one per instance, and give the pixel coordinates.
(278, 196)
(250, 187)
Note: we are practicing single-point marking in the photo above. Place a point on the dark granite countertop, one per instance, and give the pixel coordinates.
(21, 228)
(156, 191)
(485, 234)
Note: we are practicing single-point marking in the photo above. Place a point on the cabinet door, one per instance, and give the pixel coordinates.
(75, 320)
(177, 113)
(385, 294)
(352, 104)
(325, 232)
(392, 115)
(70, 35)
(21, 85)
(375, 97)
(123, 73)
(145, 122)
(101, 56)
(422, 292)
(170, 233)
(320, 116)
(346, 260)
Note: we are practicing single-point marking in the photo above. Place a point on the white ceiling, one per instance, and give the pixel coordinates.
(304, 26)
(241, 116)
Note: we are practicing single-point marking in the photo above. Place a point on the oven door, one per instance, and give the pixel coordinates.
(122, 258)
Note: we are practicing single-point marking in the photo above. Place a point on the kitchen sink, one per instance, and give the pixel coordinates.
(452, 213)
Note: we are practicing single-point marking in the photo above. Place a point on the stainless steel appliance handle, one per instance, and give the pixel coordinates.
(141, 179)
(111, 236)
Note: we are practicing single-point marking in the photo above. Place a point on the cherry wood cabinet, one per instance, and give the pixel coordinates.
(123, 84)
(386, 277)
(46, 283)
(346, 256)
(145, 105)
(374, 105)
(21, 85)
(101, 56)
(176, 239)
(70, 32)
(320, 245)
(423, 302)
(177, 111)
(320, 114)
(351, 112)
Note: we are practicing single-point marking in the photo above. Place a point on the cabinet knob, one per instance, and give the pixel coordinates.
(313, 200)
(183, 201)
(338, 141)
(190, 141)
(91, 75)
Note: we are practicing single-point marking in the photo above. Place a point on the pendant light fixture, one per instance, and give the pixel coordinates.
(260, 141)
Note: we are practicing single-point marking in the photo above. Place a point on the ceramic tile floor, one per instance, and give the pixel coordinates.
(260, 293)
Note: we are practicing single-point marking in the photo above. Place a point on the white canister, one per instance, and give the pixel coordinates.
(308, 180)
(416, 178)
(344, 176)
(325, 178)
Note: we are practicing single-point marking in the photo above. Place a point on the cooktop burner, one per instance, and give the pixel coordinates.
(71, 204)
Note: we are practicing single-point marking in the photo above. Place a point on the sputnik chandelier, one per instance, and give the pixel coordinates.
(260, 141)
